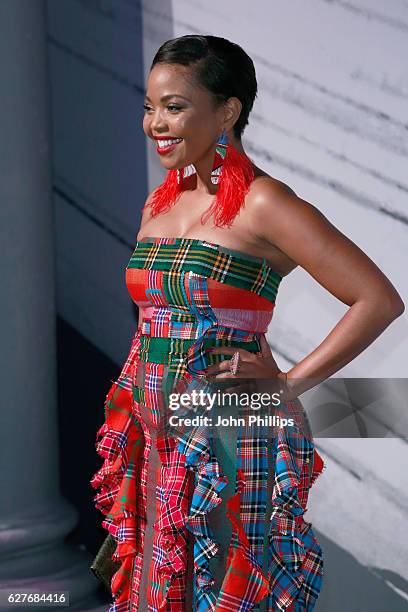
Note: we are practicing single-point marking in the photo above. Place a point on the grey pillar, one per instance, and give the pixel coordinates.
(34, 518)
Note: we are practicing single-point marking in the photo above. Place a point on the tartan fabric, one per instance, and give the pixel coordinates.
(176, 255)
(197, 294)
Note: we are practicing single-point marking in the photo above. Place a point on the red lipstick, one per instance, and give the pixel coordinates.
(163, 149)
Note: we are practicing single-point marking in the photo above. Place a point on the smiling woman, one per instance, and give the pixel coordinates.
(207, 520)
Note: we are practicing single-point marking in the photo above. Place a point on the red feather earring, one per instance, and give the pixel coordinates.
(166, 194)
(232, 172)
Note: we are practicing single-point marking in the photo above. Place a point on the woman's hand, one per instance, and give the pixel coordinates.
(251, 365)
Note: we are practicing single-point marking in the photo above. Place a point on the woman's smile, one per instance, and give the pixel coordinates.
(165, 146)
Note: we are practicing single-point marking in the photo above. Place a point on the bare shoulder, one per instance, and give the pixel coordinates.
(301, 231)
(269, 194)
(264, 184)
(274, 201)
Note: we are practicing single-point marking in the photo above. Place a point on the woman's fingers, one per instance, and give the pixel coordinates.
(243, 388)
(230, 350)
(266, 349)
(221, 366)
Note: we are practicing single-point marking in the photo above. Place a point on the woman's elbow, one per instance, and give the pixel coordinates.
(395, 305)
(388, 305)
(392, 303)
(400, 308)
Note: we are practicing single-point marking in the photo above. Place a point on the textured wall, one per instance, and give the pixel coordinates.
(96, 63)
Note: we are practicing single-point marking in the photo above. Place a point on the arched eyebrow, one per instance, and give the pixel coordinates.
(167, 97)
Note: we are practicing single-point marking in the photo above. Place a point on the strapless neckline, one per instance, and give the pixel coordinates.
(219, 247)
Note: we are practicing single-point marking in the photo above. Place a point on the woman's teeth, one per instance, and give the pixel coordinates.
(166, 143)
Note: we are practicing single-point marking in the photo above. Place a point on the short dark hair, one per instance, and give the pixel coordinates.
(220, 66)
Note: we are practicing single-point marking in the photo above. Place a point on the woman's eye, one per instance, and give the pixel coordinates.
(171, 107)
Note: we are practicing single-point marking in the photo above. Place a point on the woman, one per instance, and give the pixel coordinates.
(203, 520)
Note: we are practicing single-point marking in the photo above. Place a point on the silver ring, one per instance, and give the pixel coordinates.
(234, 363)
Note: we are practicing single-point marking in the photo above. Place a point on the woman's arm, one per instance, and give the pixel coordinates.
(146, 215)
(301, 231)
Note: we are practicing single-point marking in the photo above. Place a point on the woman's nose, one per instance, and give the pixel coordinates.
(157, 121)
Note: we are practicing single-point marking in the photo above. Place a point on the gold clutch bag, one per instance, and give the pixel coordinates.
(103, 566)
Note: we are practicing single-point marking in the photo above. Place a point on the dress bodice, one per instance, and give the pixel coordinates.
(193, 289)
(181, 257)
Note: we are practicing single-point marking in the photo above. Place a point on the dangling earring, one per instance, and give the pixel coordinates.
(233, 173)
(166, 194)
(170, 190)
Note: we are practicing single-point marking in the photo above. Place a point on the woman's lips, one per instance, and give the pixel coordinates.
(165, 150)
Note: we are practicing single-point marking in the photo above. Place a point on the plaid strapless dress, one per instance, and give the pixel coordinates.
(202, 523)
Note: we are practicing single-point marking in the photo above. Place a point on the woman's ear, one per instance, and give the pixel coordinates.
(233, 108)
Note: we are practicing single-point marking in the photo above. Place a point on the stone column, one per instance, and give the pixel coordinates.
(34, 518)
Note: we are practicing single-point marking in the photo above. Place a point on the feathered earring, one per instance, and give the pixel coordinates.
(232, 172)
(166, 194)
(170, 190)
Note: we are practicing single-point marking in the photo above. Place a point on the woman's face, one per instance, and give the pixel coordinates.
(177, 108)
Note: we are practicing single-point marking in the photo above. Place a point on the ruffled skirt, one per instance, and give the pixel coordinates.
(205, 522)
